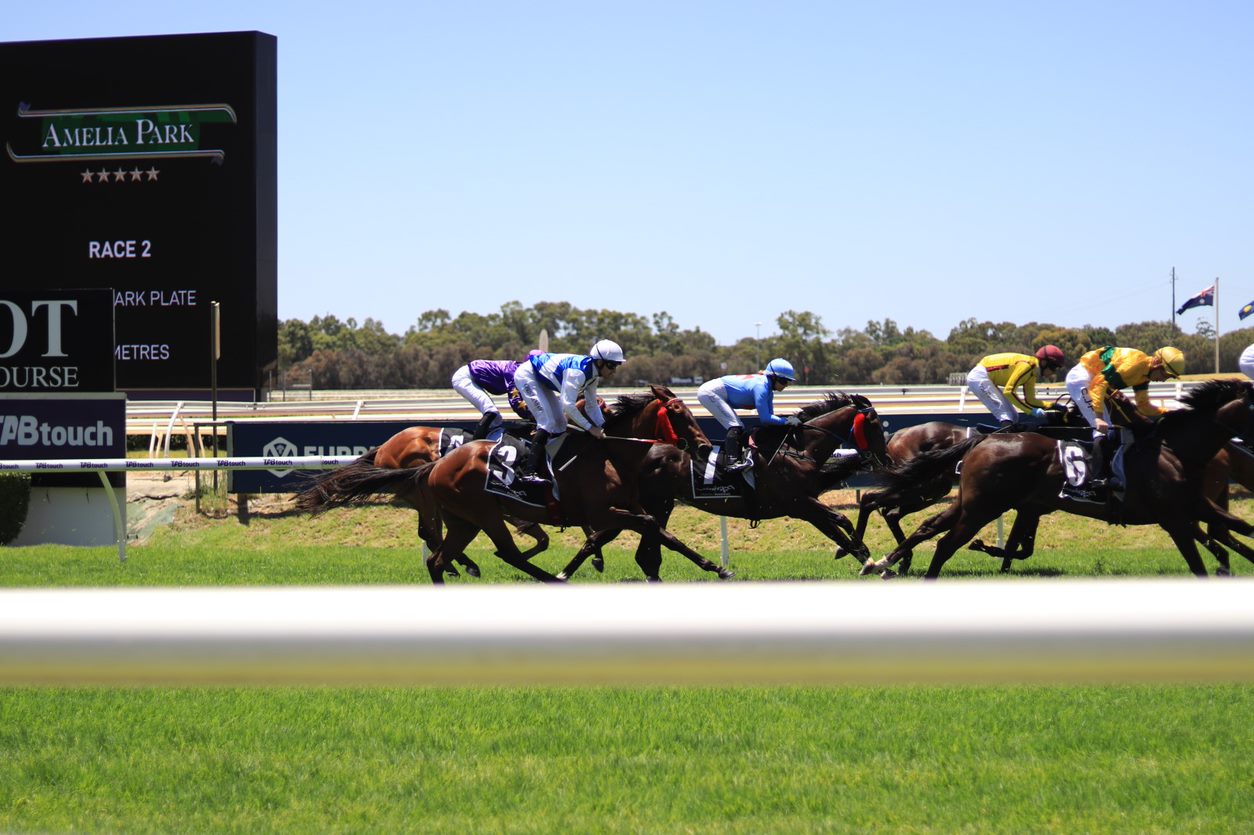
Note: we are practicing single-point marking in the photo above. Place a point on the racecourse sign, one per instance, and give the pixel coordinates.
(56, 340)
(147, 165)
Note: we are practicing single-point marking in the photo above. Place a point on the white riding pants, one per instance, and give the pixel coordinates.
(713, 396)
(1078, 379)
(544, 403)
(991, 395)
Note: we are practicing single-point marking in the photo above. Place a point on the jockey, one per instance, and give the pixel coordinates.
(1104, 368)
(479, 378)
(551, 384)
(997, 378)
(722, 396)
(1246, 363)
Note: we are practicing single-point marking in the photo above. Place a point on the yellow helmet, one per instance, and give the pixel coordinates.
(1172, 359)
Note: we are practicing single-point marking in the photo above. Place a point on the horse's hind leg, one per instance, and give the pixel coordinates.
(1182, 535)
(460, 534)
(965, 526)
(1211, 541)
(508, 551)
(1020, 544)
(536, 531)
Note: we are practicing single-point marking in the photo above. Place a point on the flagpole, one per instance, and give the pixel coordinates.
(1216, 324)
(1173, 300)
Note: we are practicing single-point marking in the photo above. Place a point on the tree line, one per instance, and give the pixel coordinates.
(334, 354)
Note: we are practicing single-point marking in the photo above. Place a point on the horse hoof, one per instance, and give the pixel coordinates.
(599, 564)
(1222, 572)
(887, 574)
(726, 574)
(451, 571)
(869, 567)
(840, 552)
(561, 578)
(472, 570)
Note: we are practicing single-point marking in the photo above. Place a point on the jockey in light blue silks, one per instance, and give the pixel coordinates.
(551, 384)
(721, 397)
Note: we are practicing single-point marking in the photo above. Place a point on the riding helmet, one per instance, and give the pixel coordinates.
(1051, 355)
(608, 351)
(781, 368)
(1173, 360)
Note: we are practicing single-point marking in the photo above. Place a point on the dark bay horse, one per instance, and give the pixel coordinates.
(654, 414)
(1165, 474)
(901, 499)
(792, 467)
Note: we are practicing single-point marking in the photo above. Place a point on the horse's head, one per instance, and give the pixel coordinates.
(843, 420)
(684, 431)
(657, 414)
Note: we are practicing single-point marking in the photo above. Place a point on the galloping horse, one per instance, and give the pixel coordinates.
(902, 499)
(792, 468)
(655, 414)
(1165, 478)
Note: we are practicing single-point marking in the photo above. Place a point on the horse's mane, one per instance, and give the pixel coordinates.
(831, 401)
(1203, 401)
(634, 403)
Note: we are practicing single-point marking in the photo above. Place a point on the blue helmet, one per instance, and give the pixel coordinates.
(781, 368)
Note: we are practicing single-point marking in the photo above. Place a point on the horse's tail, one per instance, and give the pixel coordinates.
(353, 484)
(929, 466)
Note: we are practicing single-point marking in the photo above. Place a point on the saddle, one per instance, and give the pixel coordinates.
(711, 481)
(1077, 459)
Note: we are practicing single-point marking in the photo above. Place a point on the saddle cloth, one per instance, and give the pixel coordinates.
(504, 469)
(451, 439)
(1077, 462)
(709, 481)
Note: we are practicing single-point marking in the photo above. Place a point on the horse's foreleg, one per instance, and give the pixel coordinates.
(964, 527)
(537, 532)
(593, 540)
(646, 525)
(937, 524)
(508, 551)
(1212, 514)
(827, 521)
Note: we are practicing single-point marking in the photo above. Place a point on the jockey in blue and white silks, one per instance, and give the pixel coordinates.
(551, 384)
(722, 396)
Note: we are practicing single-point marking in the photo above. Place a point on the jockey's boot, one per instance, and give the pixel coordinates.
(536, 472)
(734, 459)
(485, 425)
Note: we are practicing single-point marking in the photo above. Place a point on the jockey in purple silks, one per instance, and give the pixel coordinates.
(476, 380)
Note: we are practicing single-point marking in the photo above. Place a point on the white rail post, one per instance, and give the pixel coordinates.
(724, 548)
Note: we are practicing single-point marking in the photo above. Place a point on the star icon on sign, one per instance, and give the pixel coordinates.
(136, 174)
(152, 174)
(119, 175)
(102, 176)
(87, 175)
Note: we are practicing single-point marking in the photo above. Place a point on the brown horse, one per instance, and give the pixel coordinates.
(901, 499)
(1165, 477)
(655, 414)
(793, 466)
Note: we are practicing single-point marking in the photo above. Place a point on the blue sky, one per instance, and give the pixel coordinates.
(725, 161)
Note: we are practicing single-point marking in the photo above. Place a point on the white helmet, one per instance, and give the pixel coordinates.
(608, 351)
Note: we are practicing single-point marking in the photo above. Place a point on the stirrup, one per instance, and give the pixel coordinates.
(737, 466)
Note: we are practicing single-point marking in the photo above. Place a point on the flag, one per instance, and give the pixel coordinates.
(1247, 310)
(1202, 299)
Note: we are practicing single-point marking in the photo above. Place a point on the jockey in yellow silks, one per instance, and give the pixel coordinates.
(997, 378)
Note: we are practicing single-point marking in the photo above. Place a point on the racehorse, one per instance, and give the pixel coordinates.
(1165, 475)
(655, 414)
(598, 485)
(902, 499)
(792, 467)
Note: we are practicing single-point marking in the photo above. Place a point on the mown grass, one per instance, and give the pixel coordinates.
(1132, 759)
(916, 759)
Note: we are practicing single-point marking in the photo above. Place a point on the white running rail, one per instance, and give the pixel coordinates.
(1035, 631)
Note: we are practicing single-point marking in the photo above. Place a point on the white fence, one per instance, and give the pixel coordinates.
(692, 633)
